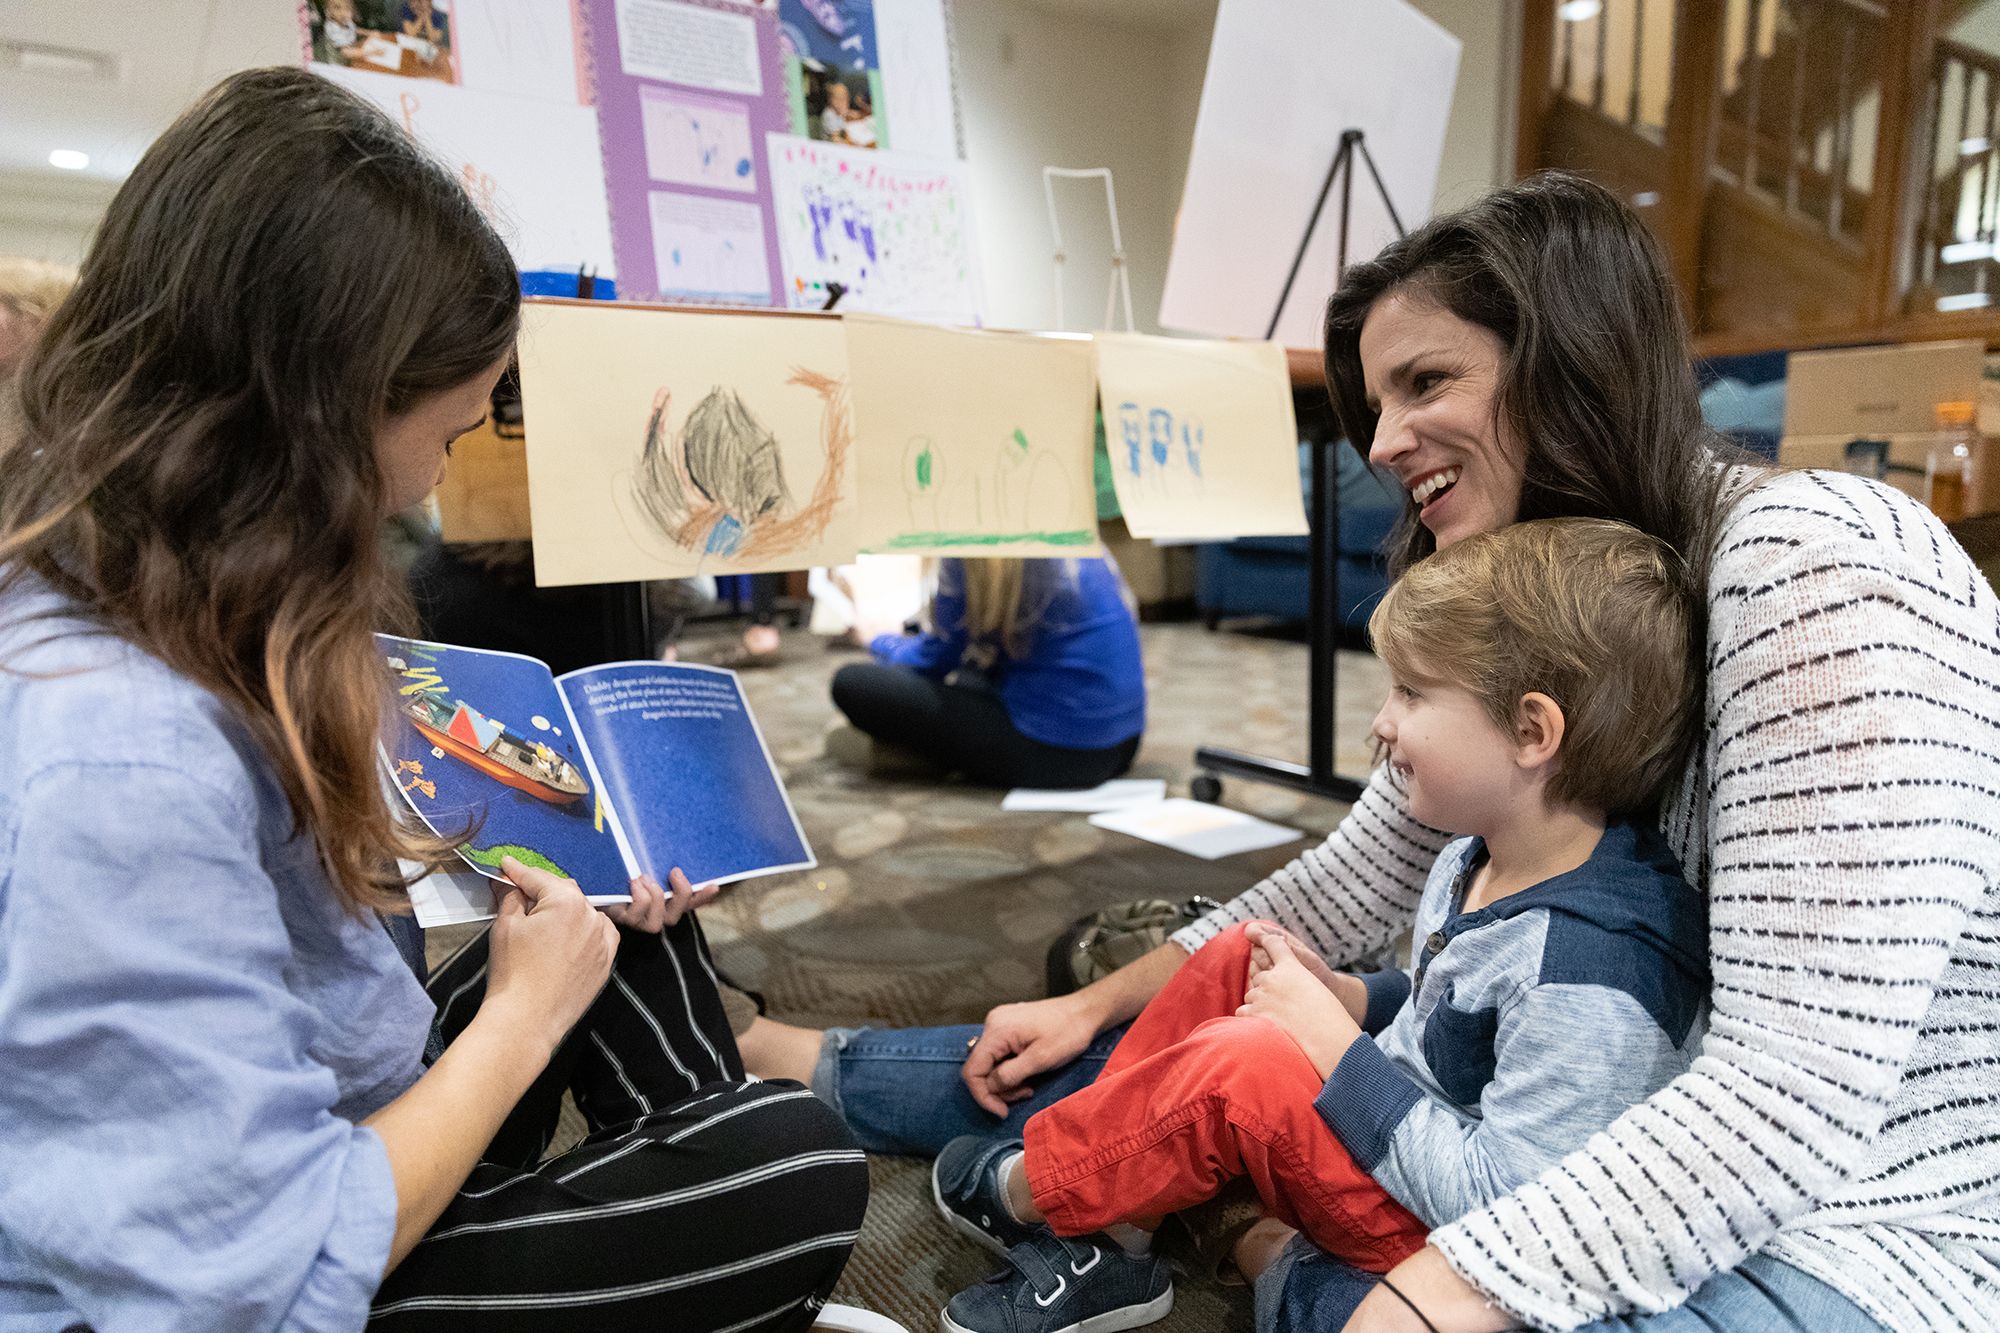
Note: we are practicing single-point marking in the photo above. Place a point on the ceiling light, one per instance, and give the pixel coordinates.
(1576, 11)
(1965, 252)
(58, 62)
(69, 159)
(1973, 147)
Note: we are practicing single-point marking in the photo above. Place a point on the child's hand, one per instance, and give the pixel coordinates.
(1353, 996)
(1296, 1000)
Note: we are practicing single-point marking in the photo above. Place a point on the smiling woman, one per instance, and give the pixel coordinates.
(1435, 427)
(1826, 1162)
(1488, 341)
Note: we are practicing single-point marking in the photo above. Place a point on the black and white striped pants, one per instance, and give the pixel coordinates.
(698, 1201)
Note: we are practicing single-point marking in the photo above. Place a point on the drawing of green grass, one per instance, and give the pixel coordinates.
(905, 540)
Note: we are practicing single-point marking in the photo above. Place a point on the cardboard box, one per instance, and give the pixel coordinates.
(1888, 393)
(484, 494)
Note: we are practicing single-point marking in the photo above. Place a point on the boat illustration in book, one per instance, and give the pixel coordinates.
(469, 736)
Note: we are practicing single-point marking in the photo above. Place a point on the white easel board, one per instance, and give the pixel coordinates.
(1284, 80)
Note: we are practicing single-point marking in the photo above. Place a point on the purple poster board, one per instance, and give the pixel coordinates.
(686, 91)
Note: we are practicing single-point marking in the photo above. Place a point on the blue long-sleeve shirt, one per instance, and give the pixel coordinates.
(190, 1025)
(1524, 1027)
(1080, 685)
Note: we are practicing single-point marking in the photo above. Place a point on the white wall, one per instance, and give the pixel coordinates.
(1038, 88)
(1479, 136)
(1079, 85)
(49, 217)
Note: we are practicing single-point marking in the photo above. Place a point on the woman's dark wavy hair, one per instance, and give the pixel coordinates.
(192, 451)
(1595, 381)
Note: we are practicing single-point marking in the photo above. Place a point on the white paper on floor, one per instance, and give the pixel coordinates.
(1194, 827)
(1113, 795)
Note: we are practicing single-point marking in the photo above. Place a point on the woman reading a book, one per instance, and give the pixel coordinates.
(226, 1103)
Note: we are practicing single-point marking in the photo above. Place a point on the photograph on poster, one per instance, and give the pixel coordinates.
(1201, 436)
(894, 231)
(832, 54)
(722, 443)
(407, 38)
(972, 443)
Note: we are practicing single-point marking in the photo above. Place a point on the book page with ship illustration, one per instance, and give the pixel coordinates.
(973, 443)
(1202, 439)
(667, 443)
(486, 750)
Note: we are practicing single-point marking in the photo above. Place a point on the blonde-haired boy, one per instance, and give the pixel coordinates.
(1544, 675)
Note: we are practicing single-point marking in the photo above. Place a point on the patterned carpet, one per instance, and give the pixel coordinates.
(930, 905)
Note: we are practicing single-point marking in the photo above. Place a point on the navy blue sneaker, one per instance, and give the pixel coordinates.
(965, 1183)
(1063, 1284)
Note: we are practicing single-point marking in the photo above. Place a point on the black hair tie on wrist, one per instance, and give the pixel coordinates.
(1422, 1318)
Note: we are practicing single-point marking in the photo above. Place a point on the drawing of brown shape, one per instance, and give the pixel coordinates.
(836, 433)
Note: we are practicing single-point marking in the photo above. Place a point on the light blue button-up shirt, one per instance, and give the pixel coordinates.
(190, 1025)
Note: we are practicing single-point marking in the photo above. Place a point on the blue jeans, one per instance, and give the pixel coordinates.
(899, 1089)
(1305, 1291)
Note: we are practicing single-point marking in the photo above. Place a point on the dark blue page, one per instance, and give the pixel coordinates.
(694, 786)
(483, 737)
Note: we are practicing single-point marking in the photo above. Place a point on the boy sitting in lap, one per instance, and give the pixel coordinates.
(1544, 685)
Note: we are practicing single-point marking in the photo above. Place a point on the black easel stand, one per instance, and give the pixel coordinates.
(1323, 546)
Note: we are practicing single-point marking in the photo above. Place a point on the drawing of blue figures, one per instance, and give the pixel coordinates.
(1132, 435)
(1157, 446)
(844, 237)
(1159, 435)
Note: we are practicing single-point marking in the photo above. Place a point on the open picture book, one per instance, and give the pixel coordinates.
(599, 775)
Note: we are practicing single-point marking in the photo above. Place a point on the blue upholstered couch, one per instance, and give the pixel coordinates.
(1268, 576)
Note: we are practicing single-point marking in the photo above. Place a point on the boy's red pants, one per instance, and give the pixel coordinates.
(1193, 1097)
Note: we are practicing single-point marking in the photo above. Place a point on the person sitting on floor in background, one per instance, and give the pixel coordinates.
(1030, 675)
(1541, 685)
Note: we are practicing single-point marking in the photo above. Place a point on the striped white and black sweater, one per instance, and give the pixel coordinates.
(1843, 817)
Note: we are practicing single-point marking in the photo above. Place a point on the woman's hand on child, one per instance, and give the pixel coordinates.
(1297, 1001)
(1018, 1042)
(551, 952)
(653, 908)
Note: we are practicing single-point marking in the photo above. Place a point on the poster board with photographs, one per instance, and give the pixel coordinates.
(630, 137)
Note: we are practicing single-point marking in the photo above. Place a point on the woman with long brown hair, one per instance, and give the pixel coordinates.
(225, 1100)
(1827, 1163)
